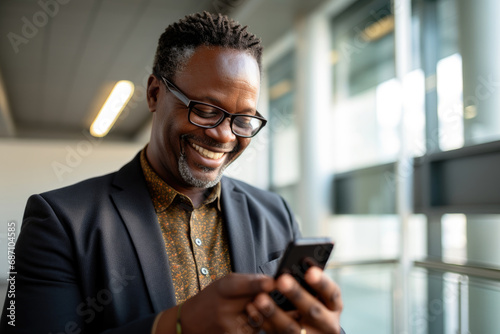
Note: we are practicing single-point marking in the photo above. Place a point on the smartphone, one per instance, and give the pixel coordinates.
(300, 255)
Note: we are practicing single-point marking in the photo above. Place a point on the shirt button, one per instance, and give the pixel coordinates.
(198, 241)
(204, 271)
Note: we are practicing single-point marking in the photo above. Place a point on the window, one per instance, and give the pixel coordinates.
(284, 133)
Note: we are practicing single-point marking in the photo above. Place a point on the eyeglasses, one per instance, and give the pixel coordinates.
(208, 116)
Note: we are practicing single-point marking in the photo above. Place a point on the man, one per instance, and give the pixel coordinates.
(166, 244)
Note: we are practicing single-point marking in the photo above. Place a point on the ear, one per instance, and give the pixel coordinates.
(153, 92)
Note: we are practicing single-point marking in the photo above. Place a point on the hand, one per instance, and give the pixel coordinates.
(314, 314)
(221, 307)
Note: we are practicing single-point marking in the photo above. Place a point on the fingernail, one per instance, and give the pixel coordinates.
(264, 305)
(314, 312)
(260, 301)
(255, 320)
(286, 283)
(314, 274)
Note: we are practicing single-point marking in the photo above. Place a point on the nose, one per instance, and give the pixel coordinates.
(222, 132)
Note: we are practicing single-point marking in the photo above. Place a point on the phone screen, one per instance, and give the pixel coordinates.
(300, 255)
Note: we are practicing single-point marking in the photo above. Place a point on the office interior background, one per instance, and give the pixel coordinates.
(383, 133)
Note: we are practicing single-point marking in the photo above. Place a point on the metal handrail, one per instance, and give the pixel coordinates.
(343, 264)
(464, 269)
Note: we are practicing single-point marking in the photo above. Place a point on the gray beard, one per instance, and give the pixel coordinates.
(189, 178)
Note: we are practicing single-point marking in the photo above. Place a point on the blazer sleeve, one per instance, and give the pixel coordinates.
(48, 288)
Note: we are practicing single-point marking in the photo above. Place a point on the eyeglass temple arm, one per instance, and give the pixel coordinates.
(176, 91)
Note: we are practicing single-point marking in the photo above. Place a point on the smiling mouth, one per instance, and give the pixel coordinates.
(206, 153)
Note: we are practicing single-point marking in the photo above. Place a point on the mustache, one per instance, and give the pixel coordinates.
(209, 142)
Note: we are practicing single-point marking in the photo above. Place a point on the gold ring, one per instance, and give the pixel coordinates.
(303, 331)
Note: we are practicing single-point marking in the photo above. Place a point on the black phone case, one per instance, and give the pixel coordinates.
(299, 256)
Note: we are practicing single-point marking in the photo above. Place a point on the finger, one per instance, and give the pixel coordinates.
(255, 318)
(294, 314)
(328, 291)
(312, 310)
(275, 319)
(243, 326)
(295, 293)
(244, 285)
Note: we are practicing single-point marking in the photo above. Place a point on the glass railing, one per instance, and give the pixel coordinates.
(443, 298)
(367, 293)
(451, 298)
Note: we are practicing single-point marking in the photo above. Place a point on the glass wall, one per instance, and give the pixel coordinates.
(363, 68)
(284, 137)
(366, 108)
(441, 62)
(447, 244)
(435, 269)
(367, 97)
(459, 242)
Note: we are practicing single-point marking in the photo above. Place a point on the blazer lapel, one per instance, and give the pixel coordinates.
(238, 227)
(136, 209)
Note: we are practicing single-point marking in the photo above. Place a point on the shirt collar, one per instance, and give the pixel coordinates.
(163, 195)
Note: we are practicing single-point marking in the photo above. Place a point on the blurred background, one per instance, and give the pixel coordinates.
(383, 133)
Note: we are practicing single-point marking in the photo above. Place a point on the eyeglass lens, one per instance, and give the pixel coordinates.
(209, 116)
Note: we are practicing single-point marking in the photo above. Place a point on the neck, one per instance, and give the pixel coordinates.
(195, 194)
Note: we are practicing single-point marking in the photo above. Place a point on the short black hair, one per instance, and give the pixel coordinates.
(180, 39)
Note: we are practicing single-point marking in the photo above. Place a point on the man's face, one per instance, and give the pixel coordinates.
(184, 154)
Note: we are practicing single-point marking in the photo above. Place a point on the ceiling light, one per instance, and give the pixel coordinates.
(470, 112)
(334, 57)
(378, 29)
(280, 89)
(115, 103)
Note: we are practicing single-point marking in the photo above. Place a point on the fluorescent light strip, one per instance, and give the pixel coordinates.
(115, 103)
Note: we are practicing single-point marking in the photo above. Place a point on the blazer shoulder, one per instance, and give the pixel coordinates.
(258, 203)
(251, 191)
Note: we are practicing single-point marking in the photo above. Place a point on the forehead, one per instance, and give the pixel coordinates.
(220, 65)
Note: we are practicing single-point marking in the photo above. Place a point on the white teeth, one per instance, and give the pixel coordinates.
(207, 153)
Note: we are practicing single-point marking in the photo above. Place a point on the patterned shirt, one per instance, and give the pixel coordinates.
(195, 238)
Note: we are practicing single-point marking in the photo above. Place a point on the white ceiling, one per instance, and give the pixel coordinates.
(58, 65)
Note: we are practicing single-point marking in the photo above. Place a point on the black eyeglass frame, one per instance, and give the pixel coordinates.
(225, 114)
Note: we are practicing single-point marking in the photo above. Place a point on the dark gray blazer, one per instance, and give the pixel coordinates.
(90, 258)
